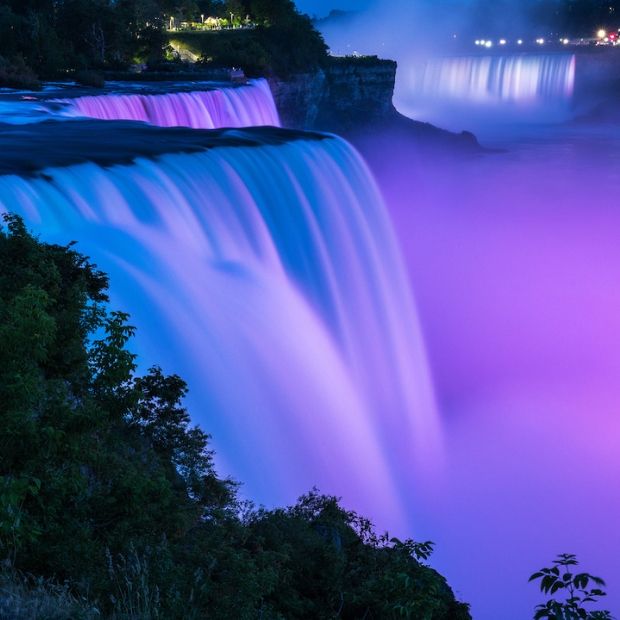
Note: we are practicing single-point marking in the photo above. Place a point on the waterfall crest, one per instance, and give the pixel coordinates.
(250, 105)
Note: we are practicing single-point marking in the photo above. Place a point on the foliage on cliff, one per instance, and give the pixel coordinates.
(284, 41)
(51, 38)
(106, 487)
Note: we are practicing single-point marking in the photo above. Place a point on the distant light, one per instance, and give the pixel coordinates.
(477, 41)
(520, 42)
(540, 41)
(565, 41)
(502, 41)
(601, 34)
(488, 44)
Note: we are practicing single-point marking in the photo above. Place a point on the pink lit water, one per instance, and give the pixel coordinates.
(515, 261)
(204, 107)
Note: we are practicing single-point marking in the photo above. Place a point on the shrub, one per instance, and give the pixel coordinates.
(106, 486)
(89, 78)
(560, 578)
(14, 73)
(24, 597)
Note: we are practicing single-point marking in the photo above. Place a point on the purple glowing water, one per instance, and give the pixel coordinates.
(516, 266)
(270, 278)
(251, 105)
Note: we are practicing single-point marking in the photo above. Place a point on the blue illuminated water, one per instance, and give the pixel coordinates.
(269, 277)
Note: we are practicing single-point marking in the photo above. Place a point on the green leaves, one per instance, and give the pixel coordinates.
(16, 527)
(96, 463)
(559, 577)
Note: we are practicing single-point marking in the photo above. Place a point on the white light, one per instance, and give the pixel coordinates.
(502, 41)
(601, 34)
(488, 44)
(477, 41)
(565, 41)
(540, 41)
(520, 42)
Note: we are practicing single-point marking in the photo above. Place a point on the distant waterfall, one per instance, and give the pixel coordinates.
(523, 79)
(269, 277)
(241, 106)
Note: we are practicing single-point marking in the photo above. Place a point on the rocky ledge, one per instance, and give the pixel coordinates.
(353, 97)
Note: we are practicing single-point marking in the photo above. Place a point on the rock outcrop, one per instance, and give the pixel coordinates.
(353, 97)
(347, 93)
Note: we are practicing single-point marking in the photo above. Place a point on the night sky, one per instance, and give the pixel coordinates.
(322, 7)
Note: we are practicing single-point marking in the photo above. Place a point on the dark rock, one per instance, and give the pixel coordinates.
(353, 97)
(346, 93)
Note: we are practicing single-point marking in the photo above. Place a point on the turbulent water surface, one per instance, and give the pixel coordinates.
(198, 105)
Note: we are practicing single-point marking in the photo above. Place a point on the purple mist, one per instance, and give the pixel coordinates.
(515, 263)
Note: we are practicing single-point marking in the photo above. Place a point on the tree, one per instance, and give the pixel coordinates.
(90, 453)
(560, 578)
(107, 486)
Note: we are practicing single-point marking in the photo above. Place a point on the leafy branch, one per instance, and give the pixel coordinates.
(579, 589)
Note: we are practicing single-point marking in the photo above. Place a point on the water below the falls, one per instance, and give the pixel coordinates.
(515, 260)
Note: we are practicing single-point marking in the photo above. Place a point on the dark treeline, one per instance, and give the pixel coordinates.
(106, 487)
(575, 18)
(48, 38)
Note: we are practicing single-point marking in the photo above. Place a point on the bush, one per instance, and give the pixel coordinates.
(579, 589)
(225, 49)
(24, 597)
(263, 51)
(106, 486)
(89, 78)
(14, 73)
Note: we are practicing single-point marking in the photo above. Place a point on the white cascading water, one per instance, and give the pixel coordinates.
(480, 92)
(250, 105)
(525, 78)
(270, 279)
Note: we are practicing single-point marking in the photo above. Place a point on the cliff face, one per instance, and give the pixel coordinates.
(348, 93)
(353, 97)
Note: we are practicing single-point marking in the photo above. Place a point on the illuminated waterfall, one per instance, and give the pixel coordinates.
(268, 276)
(524, 79)
(242, 106)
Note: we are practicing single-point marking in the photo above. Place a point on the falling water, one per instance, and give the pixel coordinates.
(241, 106)
(269, 277)
(472, 91)
(523, 79)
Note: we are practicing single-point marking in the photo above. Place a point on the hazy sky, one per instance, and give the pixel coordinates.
(321, 7)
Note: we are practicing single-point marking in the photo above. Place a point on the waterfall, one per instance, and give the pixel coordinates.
(523, 79)
(202, 108)
(266, 274)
